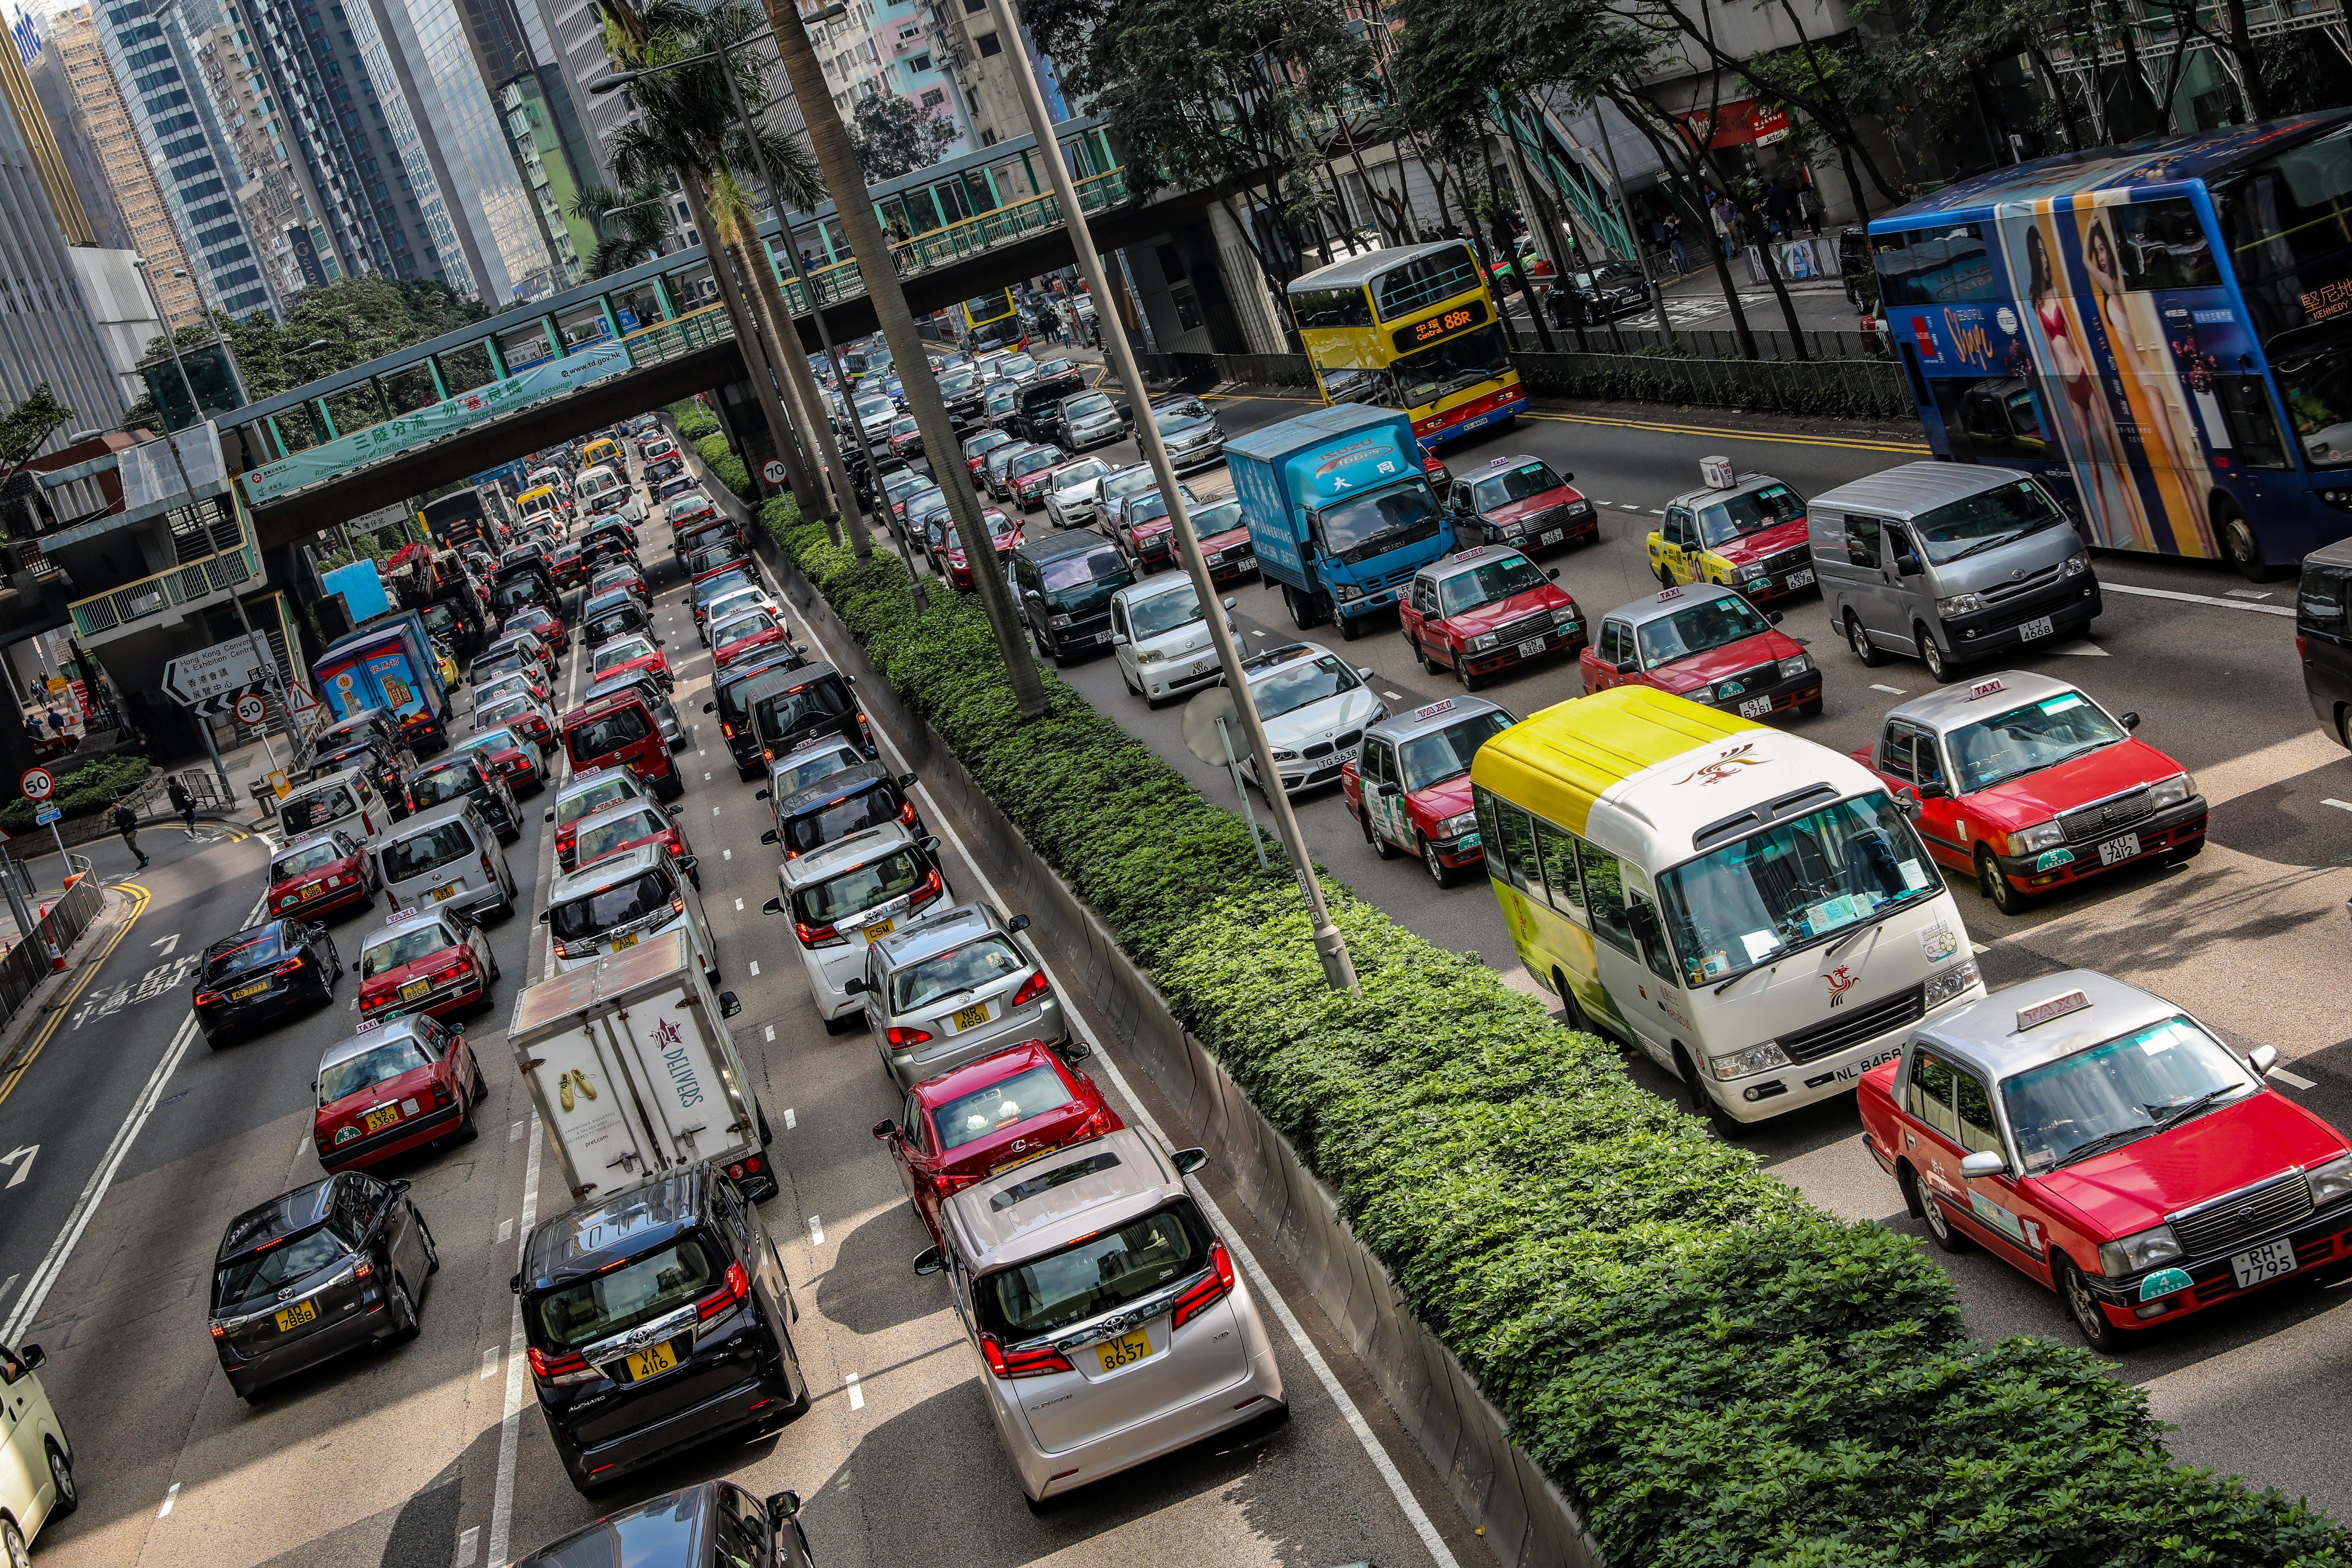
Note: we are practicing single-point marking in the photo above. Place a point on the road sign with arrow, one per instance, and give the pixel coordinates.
(211, 679)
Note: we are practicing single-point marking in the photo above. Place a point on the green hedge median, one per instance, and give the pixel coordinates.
(1719, 1374)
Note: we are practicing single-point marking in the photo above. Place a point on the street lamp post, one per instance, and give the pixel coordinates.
(1330, 943)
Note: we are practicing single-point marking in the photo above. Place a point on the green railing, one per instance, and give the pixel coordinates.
(151, 598)
(668, 340)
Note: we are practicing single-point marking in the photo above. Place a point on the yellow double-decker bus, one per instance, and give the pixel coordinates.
(1412, 328)
(994, 321)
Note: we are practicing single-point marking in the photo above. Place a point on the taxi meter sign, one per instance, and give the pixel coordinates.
(38, 784)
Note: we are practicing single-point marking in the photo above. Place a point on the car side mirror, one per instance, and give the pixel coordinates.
(551, 816)
(1935, 790)
(1188, 1160)
(1364, 670)
(2131, 721)
(1628, 666)
(32, 1358)
(687, 863)
(885, 1130)
(1018, 922)
(927, 844)
(1119, 639)
(773, 907)
(906, 781)
(851, 679)
(675, 810)
(728, 1004)
(542, 917)
(1907, 565)
(1551, 574)
(782, 1505)
(2262, 1058)
(458, 1026)
(930, 1261)
(710, 708)
(768, 836)
(514, 1284)
(1983, 1163)
(1773, 617)
(855, 986)
(760, 794)
(1075, 1051)
(660, 643)
(1568, 478)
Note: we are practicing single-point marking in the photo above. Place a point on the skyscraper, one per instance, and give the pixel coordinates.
(35, 135)
(46, 64)
(74, 36)
(45, 335)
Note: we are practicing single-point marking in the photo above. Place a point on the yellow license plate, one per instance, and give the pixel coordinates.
(242, 992)
(413, 989)
(1124, 1351)
(295, 1316)
(645, 1364)
(443, 892)
(381, 1117)
(312, 892)
(880, 930)
(621, 942)
(1022, 1160)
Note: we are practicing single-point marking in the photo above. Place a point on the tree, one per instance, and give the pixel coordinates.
(633, 225)
(25, 428)
(893, 137)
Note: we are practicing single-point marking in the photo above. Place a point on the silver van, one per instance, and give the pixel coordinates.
(1949, 563)
(348, 800)
(446, 855)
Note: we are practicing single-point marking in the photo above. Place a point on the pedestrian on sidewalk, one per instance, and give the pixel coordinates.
(183, 801)
(126, 823)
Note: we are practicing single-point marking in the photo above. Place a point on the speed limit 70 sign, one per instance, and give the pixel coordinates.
(38, 784)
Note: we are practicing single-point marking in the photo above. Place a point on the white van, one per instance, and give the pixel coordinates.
(446, 855)
(618, 901)
(346, 800)
(599, 491)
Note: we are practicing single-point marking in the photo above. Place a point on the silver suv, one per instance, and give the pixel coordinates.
(1111, 1325)
(951, 988)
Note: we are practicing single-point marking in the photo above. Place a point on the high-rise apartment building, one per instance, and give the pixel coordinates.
(46, 64)
(978, 65)
(76, 39)
(46, 332)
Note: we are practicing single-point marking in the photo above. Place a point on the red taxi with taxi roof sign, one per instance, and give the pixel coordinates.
(590, 791)
(431, 961)
(1224, 536)
(947, 544)
(746, 632)
(620, 731)
(1409, 787)
(1746, 531)
(628, 824)
(395, 1084)
(1482, 610)
(1521, 500)
(1709, 644)
(2100, 1140)
(2028, 785)
(322, 874)
(636, 653)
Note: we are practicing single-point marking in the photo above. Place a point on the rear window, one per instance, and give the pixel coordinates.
(972, 1117)
(803, 706)
(603, 837)
(839, 818)
(971, 967)
(2320, 604)
(596, 737)
(614, 623)
(251, 953)
(608, 908)
(638, 1292)
(416, 854)
(451, 781)
(854, 892)
(260, 1273)
(319, 809)
(404, 947)
(378, 1064)
(595, 797)
(1101, 1274)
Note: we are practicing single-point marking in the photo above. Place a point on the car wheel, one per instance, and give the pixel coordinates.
(1811, 710)
(1462, 672)
(766, 1137)
(432, 1251)
(1931, 1212)
(1998, 890)
(404, 1313)
(12, 1541)
(1429, 664)
(1940, 667)
(1380, 846)
(1438, 871)
(1866, 650)
(1705, 1104)
(1302, 607)
(2082, 1308)
(61, 1477)
(1664, 574)
(1037, 642)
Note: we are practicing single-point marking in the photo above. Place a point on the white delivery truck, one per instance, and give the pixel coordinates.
(635, 1071)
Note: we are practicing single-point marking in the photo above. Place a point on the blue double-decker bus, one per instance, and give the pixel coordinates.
(2162, 332)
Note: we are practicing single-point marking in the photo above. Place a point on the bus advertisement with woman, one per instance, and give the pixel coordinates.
(1414, 329)
(994, 321)
(2163, 334)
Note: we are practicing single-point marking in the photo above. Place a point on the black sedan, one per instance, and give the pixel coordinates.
(322, 1270)
(713, 1522)
(262, 973)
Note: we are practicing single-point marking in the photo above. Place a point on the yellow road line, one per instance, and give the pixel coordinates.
(1780, 438)
(141, 896)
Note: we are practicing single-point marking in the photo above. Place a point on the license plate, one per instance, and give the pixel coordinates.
(1531, 648)
(645, 1364)
(295, 1316)
(242, 992)
(1756, 708)
(2040, 627)
(970, 1017)
(444, 891)
(1023, 1159)
(411, 991)
(1801, 579)
(381, 1117)
(1853, 1070)
(880, 930)
(2116, 850)
(1468, 841)
(621, 942)
(312, 892)
(1124, 1351)
(1550, 536)
(2267, 1261)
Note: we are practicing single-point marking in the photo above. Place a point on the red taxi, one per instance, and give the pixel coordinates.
(630, 823)
(1409, 785)
(2027, 783)
(620, 731)
(2105, 1143)
(514, 756)
(518, 713)
(1521, 500)
(619, 579)
(745, 632)
(1143, 529)
(1225, 546)
(977, 448)
(1483, 610)
(571, 570)
(1747, 533)
(1031, 474)
(321, 875)
(396, 1085)
(947, 545)
(631, 655)
(1707, 644)
(591, 790)
(432, 961)
(1003, 1110)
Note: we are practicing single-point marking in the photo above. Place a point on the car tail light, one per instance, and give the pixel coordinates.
(1100, 1121)
(907, 814)
(206, 998)
(2302, 649)
(901, 1038)
(219, 1332)
(818, 936)
(1042, 1361)
(726, 730)
(931, 889)
(1199, 1298)
(290, 966)
(562, 951)
(1036, 986)
(362, 1270)
(946, 1184)
(571, 1368)
(731, 1293)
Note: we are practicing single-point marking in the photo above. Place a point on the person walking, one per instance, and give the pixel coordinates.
(183, 801)
(1675, 243)
(126, 823)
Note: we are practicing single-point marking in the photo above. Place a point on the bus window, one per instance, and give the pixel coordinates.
(1942, 266)
(2161, 244)
(1517, 839)
(1331, 307)
(1604, 895)
(1993, 416)
(1558, 851)
(1452, 365)
(1441, 276)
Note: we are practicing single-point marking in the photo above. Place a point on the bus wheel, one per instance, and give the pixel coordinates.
(2238, 542)
(1726, 1126)
(1571, 1011)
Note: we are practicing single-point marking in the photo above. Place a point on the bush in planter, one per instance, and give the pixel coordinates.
(1719, 1374)
(691, 420)
(724, 466)
(84, 792)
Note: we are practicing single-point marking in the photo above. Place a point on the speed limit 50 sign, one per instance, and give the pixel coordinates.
(38, 784)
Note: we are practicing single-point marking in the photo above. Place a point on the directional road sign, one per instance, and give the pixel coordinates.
(47, 814)
(38, 784)
(212, 678)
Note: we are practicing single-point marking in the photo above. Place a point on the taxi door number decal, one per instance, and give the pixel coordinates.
(2002, 1220)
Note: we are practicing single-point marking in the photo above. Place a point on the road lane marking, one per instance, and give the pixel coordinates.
(2292, 1078)
(1890, 690)
(490, 1361)
(790, 1121)
(1393, 696)
(2287, 610)
(2338, 804)
(714, 811)
(856, 1393)
(727, 854)
(2249, 593)
(469, 1541)
(816, 1231)
(171, 1500)
(739, 905)
(516, 1130)
(755, 968)
(771, 1035)
(506, 1231)
(139, 899)
(510, 1423)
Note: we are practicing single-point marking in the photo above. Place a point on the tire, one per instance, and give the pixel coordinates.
(1305, 613)
(61, 1477)
(1462, 673)
(1349, 630)
(1811, 710)
(1438, 871)
(2238, 542)
(1704, 1104)
(1940, 666)
(1380, 846)
(1037, 644)
(431, 1247)
(481, 1084)
(1666, 577)
(766, 1137)
(2083, 1308)
(1429, 664)
(1940, 1226)
(1571, 1012)
(407, 1306)
(467, 1129)
(1998, 890)
(12, 1544)
(1868, 652)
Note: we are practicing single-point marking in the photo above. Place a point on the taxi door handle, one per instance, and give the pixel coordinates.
(1909, 1142)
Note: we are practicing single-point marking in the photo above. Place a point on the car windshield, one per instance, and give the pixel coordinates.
(1101, 1274)
(416, 854)
(1750, 511)
(872, 408)
(598, 839)
(1125, 483)
(1300, 683)
(1164, 612)
(968, 1117)
(802, 769)
(1512, 485)
(955, 384)
(981, 445)
(493, 666)
(687, 501)
(1056, 366)
(643, 1288)
(1986, 520)
(302, 861)
(971, 967)
(1794, 883)
(854, 892)
(1489, 581)
(922, 500)
(249, 952)
(308, 813)
(1695, 628)
(1092, 403)
(1222, 517)
(607, 908)
(604, 792)
(1070, 475)
(1432, 759)
(1081, 584)
(377, 1064)
(1031, 461)
(261, 1273)
(2118, 1092)
(2027, 739)
(402, 947)
(1366, 526)
(621, 653)
(735, 626)
(1015, 365)
(500, 712)
(592, 737)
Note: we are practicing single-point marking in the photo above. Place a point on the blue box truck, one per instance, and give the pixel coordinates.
(1340, 510)
(388, 663)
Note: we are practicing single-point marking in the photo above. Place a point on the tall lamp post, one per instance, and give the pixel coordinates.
(1330, 943)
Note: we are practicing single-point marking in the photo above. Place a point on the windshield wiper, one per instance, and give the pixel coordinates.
(2105, 1141)
(2189, 1107)
(1981, 545)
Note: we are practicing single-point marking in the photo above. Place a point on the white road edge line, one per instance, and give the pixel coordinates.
(170, 1499)
(2293, 1080)
(510, 1421)
(856, 1391)
(2106, 586)
(1418, 1517)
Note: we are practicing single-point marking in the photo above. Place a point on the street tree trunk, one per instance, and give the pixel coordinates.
(808, 487)
(843, 500)
(837, 160)
(747, 327)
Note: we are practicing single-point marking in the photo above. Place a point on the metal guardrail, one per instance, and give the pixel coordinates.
(28, 963)
(668, 340)
(166, 591)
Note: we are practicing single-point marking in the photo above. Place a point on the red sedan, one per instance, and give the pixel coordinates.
(625, 656)
(397, 1085)
(1408, 786)
(739, 635)
(987, 1116)
(1707, 644)
(1521, 500)
(321, 874)
(1484, 610)
(430, 961)
(1028, 475)
(1225, 537)
(625, 827)
(947, 545)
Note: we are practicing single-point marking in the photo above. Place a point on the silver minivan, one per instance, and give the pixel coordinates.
(1949, 563)
(446, 855)
(950, 988)
(1110, 1322)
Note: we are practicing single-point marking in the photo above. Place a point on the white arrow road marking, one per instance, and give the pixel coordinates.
(24, 1170)
(167, 943)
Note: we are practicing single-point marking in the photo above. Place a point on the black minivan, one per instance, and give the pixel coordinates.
(1063, 584)
(840, 804)
(658, 1318)
(714, 1523)
(812, 701)
(732, 691)
(2323, 636)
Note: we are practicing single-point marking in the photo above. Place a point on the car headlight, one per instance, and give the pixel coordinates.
(2171, 792)
(1286, 756)
(1960, 604)
(1753, 1060)
(1455, 826)
(1216, 558)
(2034, 839)
(1150, 655)
(2077, 564)
(1581, 509)
(1343, 592)
(1483, 641)
(2135, 1253)
(1792, 667)
(1950, 982)
(2331, 1181)
(1751, 572)
(1059, 623)
(1564, 615)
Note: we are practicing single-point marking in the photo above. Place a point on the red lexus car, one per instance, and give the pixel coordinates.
(431, 961)
(321, 875)
(990, 1115)
(1225, 537)
(396, 1085)
(1483, 610)
(1708, 644)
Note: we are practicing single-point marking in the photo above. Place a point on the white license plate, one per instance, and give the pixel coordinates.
(2035, 628)
(1344, 753)
(1801, 579)
(1756, 708)
(1531, 648)
(1551, 536)
(2267, 1261)
(2116, 850)
(1853, 1070)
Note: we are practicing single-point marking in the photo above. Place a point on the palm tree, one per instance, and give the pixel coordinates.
(631, 225)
